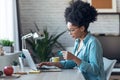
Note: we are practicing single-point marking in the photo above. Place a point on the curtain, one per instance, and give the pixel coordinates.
(8, 22)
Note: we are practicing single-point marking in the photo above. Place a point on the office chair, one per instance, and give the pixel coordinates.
(108, 66)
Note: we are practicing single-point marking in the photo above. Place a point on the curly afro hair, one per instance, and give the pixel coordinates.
(80, 13)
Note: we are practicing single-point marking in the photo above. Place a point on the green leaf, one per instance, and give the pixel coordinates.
(6, 42)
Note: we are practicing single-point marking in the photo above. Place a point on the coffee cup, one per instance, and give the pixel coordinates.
(54, 59)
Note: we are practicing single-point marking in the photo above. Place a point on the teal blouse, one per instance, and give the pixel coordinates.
(91, 54)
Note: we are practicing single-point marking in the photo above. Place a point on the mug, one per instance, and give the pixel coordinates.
(54, 59)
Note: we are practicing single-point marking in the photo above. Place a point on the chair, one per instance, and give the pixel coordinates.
(108, 66)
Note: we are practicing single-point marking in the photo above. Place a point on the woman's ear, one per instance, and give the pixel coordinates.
(82, 28)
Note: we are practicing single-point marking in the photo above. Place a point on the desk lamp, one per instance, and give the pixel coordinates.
(35, 35)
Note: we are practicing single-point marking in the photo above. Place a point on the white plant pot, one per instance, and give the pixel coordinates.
(7, 49)
(16, 68)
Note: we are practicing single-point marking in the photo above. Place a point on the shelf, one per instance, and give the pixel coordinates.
(112, 13)
(106, 35)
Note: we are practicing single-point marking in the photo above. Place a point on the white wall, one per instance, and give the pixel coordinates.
(50, 13)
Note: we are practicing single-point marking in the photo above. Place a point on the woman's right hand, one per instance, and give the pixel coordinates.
(57, 64)
(45, 63)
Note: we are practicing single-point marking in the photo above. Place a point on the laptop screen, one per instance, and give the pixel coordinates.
(29, 59)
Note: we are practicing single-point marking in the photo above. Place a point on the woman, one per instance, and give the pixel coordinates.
(87, 54)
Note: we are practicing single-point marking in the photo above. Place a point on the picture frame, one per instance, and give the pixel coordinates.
(104, 6)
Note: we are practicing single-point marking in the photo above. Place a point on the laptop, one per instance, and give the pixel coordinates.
(33, 66)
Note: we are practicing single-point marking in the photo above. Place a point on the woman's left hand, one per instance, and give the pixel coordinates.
(69, 56)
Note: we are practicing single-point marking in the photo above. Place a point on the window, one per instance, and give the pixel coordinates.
(8, 21)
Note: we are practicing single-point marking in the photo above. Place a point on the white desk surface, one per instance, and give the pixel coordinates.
(65, 74)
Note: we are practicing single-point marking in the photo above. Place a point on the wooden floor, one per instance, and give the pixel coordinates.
(115, 77)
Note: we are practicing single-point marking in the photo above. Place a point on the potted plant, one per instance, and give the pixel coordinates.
(7, 45)
(15, 66)
(43, 47)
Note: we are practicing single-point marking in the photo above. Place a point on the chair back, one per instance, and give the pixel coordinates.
(108, 66)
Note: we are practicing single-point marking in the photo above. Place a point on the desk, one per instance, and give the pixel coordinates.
(65, 74)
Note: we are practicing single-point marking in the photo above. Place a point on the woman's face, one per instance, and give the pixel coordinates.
(75, 31)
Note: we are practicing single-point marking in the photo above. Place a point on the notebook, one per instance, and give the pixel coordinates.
(33, 66)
